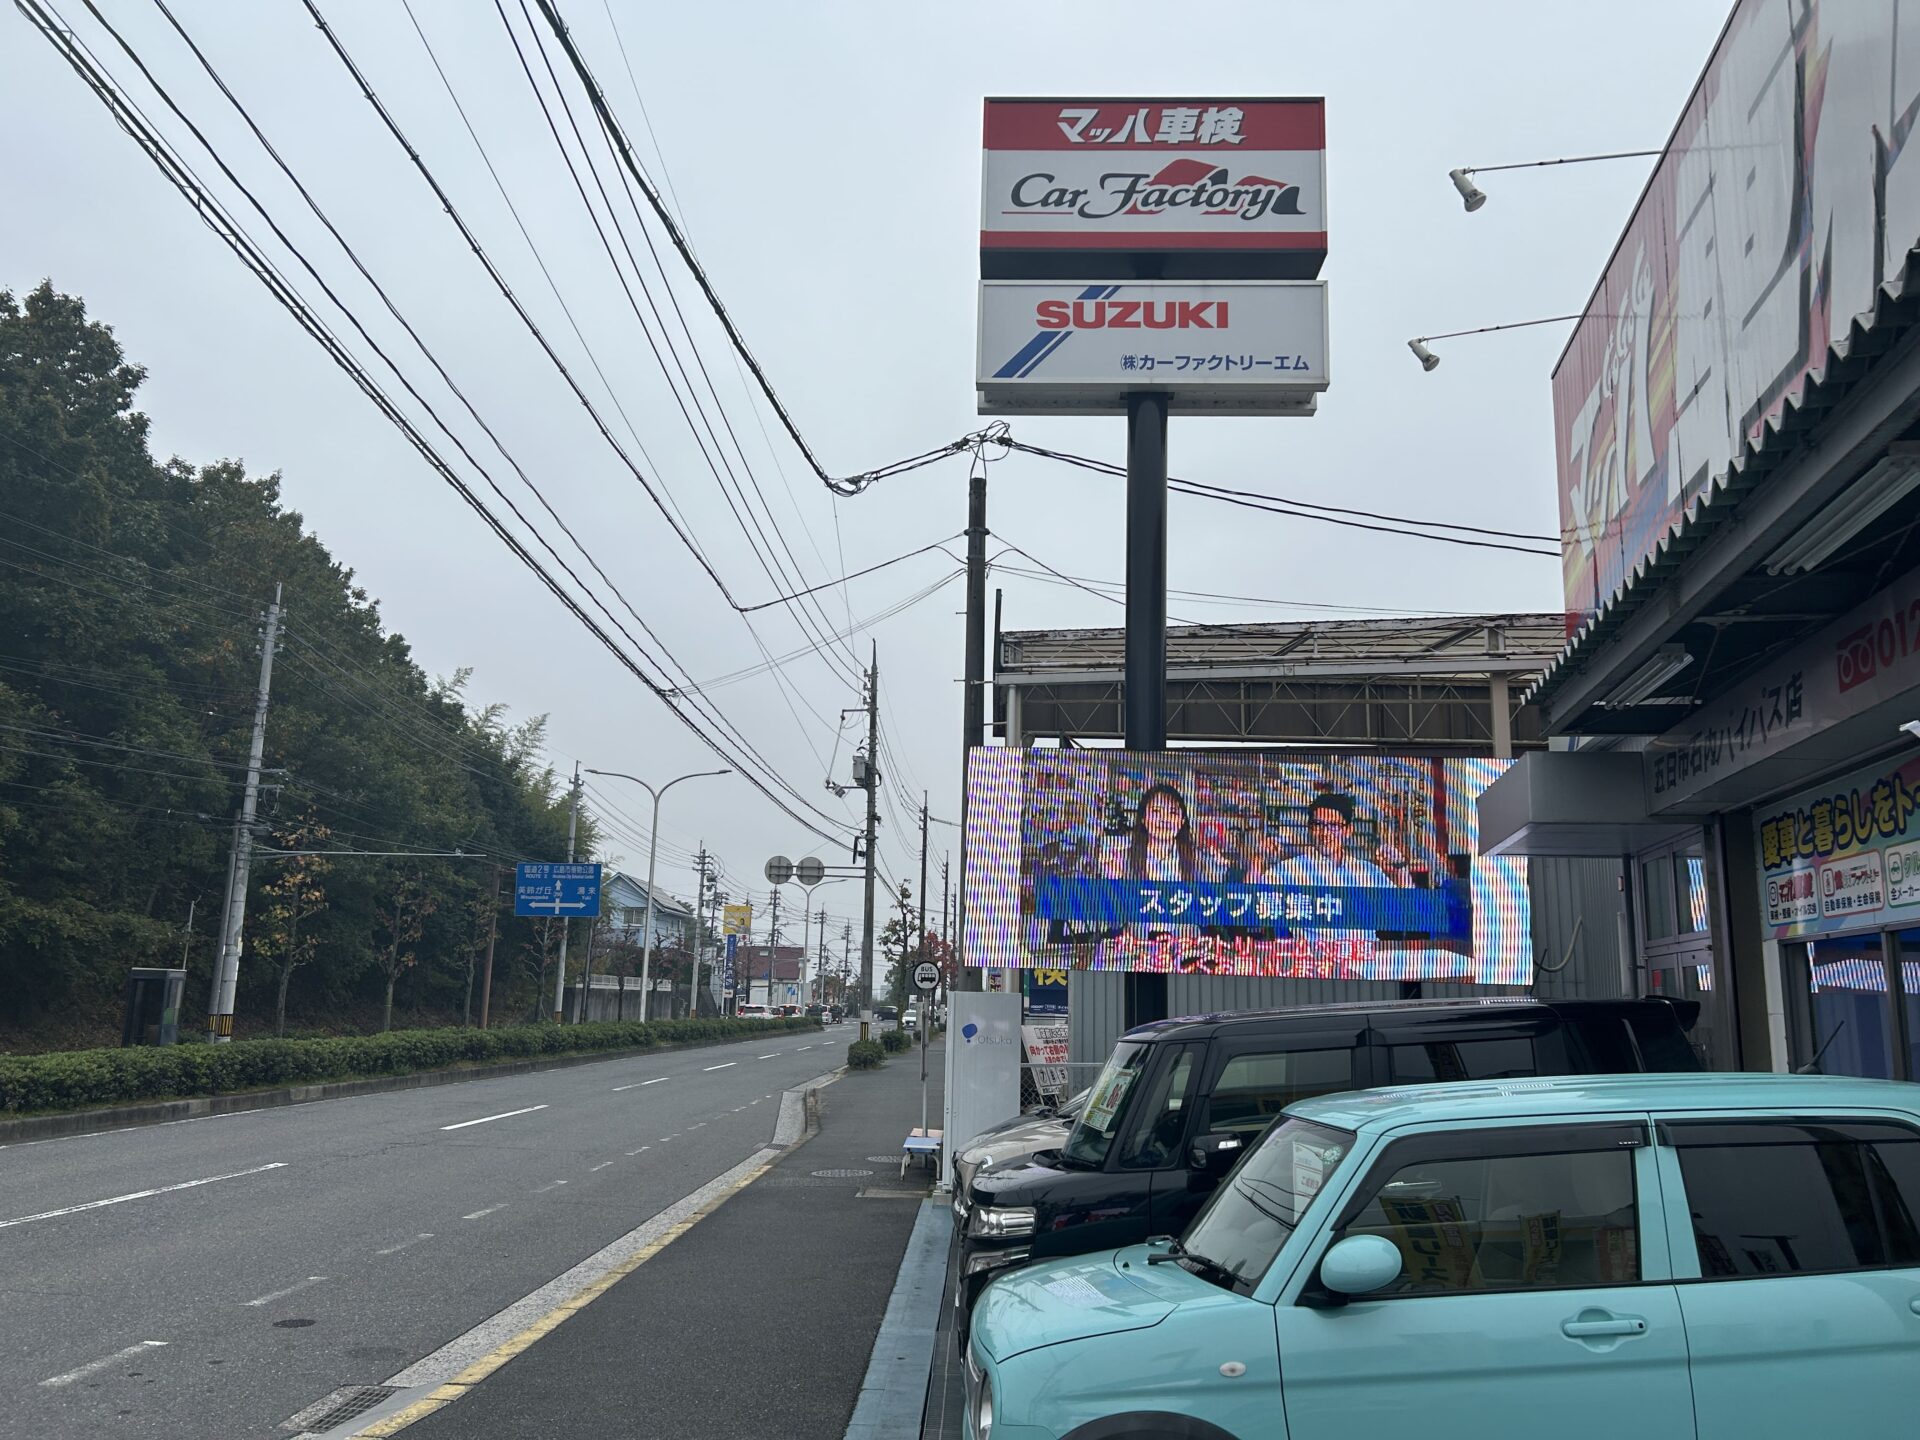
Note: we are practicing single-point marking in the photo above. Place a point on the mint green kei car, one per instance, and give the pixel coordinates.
(1648, 1257)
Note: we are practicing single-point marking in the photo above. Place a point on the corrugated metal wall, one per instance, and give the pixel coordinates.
(1563, 892)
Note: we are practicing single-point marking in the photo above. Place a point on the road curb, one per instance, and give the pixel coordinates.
(171, 1112)
(893, 1397)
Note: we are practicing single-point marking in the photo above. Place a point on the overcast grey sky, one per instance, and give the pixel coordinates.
(825, 160)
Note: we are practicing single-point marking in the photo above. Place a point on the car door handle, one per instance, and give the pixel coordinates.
(1596, 1329)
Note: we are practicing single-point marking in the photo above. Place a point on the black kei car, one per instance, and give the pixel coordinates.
(1180, 1099)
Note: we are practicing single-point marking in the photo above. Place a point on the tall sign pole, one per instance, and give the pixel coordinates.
(974, 703)
(1145, 694)
(560, 975)
(233, 915)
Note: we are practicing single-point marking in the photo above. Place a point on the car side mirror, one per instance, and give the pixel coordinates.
(1360, 1265)
(1216, 1151)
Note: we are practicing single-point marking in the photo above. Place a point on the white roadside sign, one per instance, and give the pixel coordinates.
(1254, 347)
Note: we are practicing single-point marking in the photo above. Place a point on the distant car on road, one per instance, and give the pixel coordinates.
(885, 1012)
(752, 1012)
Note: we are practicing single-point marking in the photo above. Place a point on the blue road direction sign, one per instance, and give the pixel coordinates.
(566, 891)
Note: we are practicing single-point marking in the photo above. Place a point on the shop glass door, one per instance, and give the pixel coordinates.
(1850, 1005)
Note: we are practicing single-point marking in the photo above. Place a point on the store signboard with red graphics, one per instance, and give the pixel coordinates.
(1244, 347)
(1788, 193)
(1154, 188)
(1844, 855)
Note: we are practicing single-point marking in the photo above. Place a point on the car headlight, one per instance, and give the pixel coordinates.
(982, 1386)
(1001, 1222)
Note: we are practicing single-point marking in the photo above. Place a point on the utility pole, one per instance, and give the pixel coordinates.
(846, 958)
(493, 934)
(872, 781)
(820, 965)
(560, 978)
(973, 706)
(226, 972)
(699, 932)
(773, 945)
(920, 941)
(946, 908)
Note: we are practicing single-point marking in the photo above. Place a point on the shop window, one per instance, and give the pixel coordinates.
(1657, 898)
(1690, 884)
(1850, 1007)
(1909, 942)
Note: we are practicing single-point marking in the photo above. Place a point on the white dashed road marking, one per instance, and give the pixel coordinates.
(601, 1166)
(728, 1066)
(488, 1211)
(404, 1244)
(503, 1115)
(290, 1290)
(138, 1195)
(550, 1185)
(96, 1366)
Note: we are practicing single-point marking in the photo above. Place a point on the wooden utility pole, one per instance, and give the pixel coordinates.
(493, 934)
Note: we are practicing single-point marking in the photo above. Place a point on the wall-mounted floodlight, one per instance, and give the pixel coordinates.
(1473, 197)
(1428, 360)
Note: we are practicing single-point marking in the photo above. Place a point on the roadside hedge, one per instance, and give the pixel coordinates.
(865, 1055)
(76, 1079)
(896, 1041)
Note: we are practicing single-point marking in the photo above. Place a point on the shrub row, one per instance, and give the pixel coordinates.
(896, 1041)
(74, 1079)
(865, 1055)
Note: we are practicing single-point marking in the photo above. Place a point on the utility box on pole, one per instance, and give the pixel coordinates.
(153, 1006)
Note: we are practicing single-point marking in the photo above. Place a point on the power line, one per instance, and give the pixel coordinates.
(850, 485)
(420, 344)
(1305, 510)
(134, 122)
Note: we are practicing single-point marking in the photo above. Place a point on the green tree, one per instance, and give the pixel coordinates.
(294, 895)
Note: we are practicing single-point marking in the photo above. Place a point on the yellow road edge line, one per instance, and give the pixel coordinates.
(446, 1394)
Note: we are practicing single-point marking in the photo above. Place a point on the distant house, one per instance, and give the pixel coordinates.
(623, 900)
(788, 987)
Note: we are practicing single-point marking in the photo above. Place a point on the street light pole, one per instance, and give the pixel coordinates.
(653, 851)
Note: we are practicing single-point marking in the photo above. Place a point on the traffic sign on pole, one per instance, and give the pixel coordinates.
(779, 870)
(809, 871)
(562, 891)
(926, 976)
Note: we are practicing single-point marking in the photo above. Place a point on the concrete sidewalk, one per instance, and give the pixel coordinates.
(762, 1318)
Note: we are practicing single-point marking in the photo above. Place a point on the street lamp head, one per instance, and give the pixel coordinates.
(1428, 360)
(1470, 194)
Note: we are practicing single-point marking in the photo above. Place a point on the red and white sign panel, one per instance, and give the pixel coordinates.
(1248, 347)
(1168, 189)
(1788, 192)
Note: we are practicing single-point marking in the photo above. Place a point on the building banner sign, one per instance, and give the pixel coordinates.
(736, 920)
(1250, 346)
(1844, 856)
(1787, 196)
(1200, 188)
(1289, 864)
(1046, 1047)
(1867, 656)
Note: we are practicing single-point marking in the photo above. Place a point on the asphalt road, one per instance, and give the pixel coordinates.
(214, 1277)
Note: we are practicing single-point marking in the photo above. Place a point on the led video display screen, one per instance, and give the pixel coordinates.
(1287, 863)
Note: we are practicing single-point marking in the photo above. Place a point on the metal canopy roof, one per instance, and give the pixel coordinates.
(1414, 681)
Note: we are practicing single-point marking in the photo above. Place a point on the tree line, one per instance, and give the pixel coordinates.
(131, 596)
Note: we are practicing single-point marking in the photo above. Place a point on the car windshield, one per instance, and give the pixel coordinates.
(1258, 1206)
(1106, 1106)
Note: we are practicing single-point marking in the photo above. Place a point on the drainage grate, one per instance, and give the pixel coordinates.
(349, 1402)
(890, 1194)
(840, 1174)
